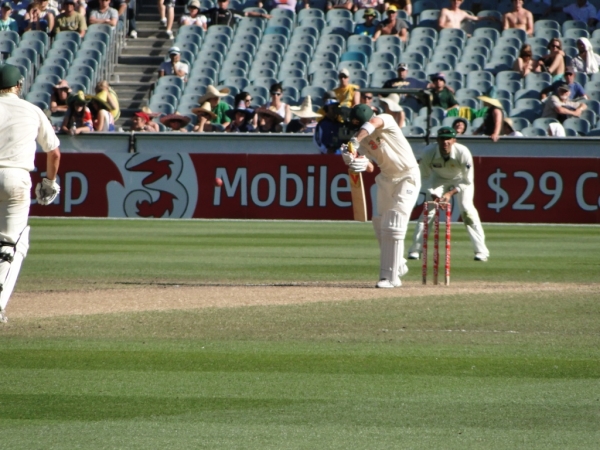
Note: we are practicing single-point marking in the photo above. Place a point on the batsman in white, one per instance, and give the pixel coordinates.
(447, 171)
(21, 125)
(379, 139)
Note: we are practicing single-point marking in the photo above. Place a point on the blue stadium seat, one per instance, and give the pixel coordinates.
(581, 126)
(533, 131)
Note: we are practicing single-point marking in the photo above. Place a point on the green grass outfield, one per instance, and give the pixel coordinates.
(502, 369)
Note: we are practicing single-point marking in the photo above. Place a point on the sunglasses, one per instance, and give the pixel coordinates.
(276, 93)
(367, 97)
(342, 76)
(555, 46)
(248, 100)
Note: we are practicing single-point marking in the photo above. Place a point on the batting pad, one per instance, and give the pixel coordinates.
(9, 271)
(392, 245)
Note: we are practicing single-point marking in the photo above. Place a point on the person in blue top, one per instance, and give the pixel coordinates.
(369, 26)
(576, 89)
(7, 23)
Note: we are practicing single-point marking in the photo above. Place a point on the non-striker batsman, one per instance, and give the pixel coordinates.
(447, 171)
(379, 139)
(21, 125)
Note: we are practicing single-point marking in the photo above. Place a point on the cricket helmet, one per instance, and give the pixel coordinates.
(10, 76)
(361, 113)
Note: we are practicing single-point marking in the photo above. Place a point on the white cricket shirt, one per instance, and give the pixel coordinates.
(388, 147)
(458, 169)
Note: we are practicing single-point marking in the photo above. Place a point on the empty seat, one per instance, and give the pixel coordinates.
(581, 126)
(533, 131)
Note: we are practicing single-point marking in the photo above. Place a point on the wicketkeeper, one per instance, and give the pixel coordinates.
(447, 171)
(21, 125)
(380, 139)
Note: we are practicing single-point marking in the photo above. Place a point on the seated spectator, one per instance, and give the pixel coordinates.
(366, 98)
(554, 62)
(59, 97)
(508, 128)
(442, 96)
(559, 107)
(205, 118)
(176, 122)
(582, 10)
(453, 17)
(519, 18)
(307, 118)
(525, 64)
(70, 20)
(378, 5)
(39, 17)
(108, 95)
(194, 17)
(290, 5)
(586, 61)
(556, 129)
(78, 118)
(101, 116)
(369, 26)
(222, 15)
(338, 4)
(346, 93)
(118, 5)
(218, 107)
(392, 26)
(401, 5)
(460, 125)
(174, 66)
(493, 118)
(275, 104)
(7, 23)
(142, 122)
(404, 81)
(104, 14)
(240, 119)
(327, 132)
(269, 121)
(576, 89)
(391, 106)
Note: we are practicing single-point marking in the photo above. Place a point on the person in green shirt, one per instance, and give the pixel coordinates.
(218, 107)
(442, 96)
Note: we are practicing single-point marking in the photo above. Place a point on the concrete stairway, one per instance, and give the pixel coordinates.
(137, 68)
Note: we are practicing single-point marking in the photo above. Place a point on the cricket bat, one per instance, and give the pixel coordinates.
(357, 191)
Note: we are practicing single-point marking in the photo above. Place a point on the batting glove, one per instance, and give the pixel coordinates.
(347, 157)
(359, 165)
(46, 191)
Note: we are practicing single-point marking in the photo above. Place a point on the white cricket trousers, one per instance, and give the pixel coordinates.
(469, 214)
(15, 192)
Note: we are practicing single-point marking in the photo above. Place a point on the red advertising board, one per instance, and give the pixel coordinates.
(536, 190)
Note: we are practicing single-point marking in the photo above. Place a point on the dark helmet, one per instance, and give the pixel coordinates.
(10, 76)
(361, 113)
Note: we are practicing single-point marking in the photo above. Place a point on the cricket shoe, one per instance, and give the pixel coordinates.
(3, 318)
(384, 283)
(403, 269)
(414, 255)
(480, 257)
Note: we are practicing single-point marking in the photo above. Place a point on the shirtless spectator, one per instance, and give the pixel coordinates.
(519, 18)
(392, 26)
(453, 17)
(525, 63)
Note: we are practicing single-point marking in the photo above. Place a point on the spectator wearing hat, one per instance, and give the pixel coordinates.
(493, 118)
(391, 106)
(392, 26)
(577, 90)
(7, 23)
(402, 5)
(508, 128)
(442, 96)
(104, 14)
(223, 15)
(346, 93)
(403, 80)
(586, 61)
(369, 26)
(101, 117)
(275, 104)
(142, 122)
(174, 66)
(59, 97)
(559, 107)
(194, 17)
(327, 132)
(453, 17)
(70, 20)
(78, 118)
(269, 121)
(205, 118)
(307, 118)
(460, 125)
(519, 18)
(219, 108)
(240, 119)
(176, 122)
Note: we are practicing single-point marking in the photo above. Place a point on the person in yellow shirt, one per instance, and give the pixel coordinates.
(346, 93)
